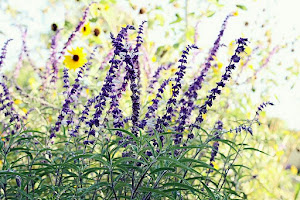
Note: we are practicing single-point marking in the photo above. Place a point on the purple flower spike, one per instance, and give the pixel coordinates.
(108, 86)
(191, 94)
(53, 57)
(217, 91)
(171, 103)
(134, 76)
(6, 104)
(262, 106)
(3, 52)
(156, 77)
(72, 97)
(151, 109)
(215, 149)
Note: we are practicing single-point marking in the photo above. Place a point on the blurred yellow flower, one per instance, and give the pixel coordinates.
(54, 94)
(106, 7)
(31, 81)
(76, 59)
(86, 29)
(294, 170)
(248, 50)
(231, 47)
(2, 138)
(220, 65)
(216, 166)
(24, 110)
(17, 101)
(173, 69)
(279, 153)
(153, 59)
(236, 13)
(150, 97)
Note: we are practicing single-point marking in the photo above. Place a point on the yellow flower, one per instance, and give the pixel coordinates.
(17, 101)
(215, 165)
(106, 7)
(32, 82)
(248, 50)
(236, 13)
(153, 59)
(86, 29)
(76, 59)
(2, 138)
(173, 69)
(294, 170)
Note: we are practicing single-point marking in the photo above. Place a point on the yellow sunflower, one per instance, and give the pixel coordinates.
(76, 59)
(86, 29)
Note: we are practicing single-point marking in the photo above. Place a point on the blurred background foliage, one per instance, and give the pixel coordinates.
(172, 24)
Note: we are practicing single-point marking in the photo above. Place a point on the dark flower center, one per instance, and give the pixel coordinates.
(96, 32)
(75, 57)
(142, 11)
(54, 27)
(84, 28)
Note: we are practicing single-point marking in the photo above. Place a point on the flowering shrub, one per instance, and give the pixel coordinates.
(118, 140)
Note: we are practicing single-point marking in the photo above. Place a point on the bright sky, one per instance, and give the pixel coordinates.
(284, 20)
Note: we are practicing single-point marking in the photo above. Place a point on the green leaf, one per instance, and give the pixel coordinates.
(211, 194)
(126, 159)
(162, 169)
(202, 164)
(93, 19)
(210, 13)
(179, 164)
(241, 7)
(181, 185)
(254, 149)
(125, 131)
(179, 19)
(157, 191)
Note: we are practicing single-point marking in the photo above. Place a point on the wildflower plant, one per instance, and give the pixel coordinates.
(96, 140)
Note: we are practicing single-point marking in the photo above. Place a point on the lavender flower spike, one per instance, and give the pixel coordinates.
(164, 121)
(156, 77)
(107, 88)
(134, 77)
(151, 109)
(4, 51)
(53, 56)
(72, 97)
(6, 104)
(217, 91)
(191, 93)
(218, 127)
(262, 106)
